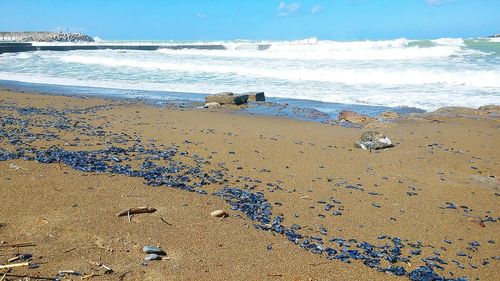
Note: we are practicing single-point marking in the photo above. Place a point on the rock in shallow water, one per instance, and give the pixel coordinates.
(373, 140)
(255, 96)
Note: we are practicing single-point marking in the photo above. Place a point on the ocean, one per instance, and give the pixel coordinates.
(401, 73)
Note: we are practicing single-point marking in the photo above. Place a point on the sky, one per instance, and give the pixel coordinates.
(255, 19)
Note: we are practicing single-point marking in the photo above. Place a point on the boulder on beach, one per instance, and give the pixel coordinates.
(353, 117)
(452, 111)
(255, 96)
(227, 98)
(491, 108)
(373, 140)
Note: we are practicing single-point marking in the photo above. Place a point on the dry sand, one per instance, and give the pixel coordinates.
(70, 216)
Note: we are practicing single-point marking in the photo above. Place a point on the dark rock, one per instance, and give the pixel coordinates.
(255, 96)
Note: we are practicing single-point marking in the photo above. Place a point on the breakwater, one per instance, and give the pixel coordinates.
(15, 47)
(44, 36)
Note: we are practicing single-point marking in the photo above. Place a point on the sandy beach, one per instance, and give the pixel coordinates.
(432, 200)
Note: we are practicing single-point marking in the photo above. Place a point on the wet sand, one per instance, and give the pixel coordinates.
(440, 161)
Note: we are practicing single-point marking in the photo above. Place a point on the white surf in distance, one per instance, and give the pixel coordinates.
(425, 74)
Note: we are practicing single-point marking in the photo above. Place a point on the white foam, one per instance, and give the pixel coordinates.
(389, 73)
(329, 50)
(458, 42)
(352, 76)
(428, 100)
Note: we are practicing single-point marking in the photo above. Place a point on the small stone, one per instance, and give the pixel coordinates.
(152, 257)
(153, 250)
(219, 214)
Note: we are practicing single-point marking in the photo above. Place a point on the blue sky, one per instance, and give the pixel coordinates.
(256, 19)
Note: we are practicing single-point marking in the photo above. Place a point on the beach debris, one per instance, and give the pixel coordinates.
(427, 273)
(172, 171)
(255, 96)
(139, 210)
(219, 214)
(227, 98)
(13, 265)
(373, 140)
(107, 269)
(353, 117)
(22, 257)
(153, 250)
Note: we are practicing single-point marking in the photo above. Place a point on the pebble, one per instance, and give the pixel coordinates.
(153, 250)
(219, 213)
(152, 257)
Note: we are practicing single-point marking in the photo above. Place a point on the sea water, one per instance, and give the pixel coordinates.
(424, 74)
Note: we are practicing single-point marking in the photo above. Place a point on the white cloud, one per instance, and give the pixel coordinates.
(437, 2)
(201, 16)
(316, 9)
(285, 9)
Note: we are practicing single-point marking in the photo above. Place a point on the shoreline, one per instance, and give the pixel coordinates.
(197, 99)
(294, 109)
(416, 191)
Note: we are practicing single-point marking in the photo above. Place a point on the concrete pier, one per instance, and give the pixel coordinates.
(14, 47)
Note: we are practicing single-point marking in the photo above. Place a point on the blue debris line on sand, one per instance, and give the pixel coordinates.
(165, 166)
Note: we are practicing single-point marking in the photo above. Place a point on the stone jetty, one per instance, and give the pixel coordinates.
(44, 36)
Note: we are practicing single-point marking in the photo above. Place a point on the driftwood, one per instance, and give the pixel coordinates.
(29, 244)
(133, 211)
(14, 265)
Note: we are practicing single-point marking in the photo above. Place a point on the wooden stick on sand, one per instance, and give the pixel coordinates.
(14, 265)
(133, 211)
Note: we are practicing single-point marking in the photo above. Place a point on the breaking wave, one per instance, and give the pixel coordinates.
(417, 73)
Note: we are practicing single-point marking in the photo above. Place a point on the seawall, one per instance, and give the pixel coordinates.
(14, 47)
